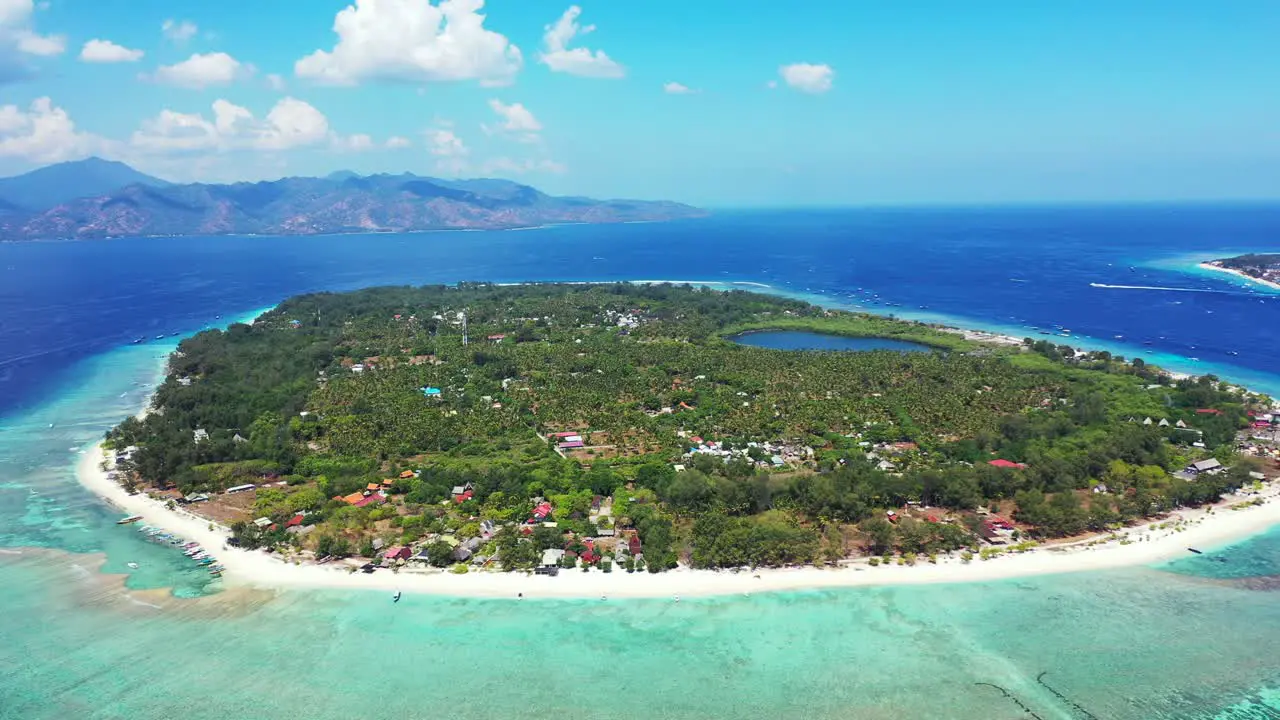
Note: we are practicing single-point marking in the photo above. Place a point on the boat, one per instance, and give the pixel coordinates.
(128, 520)
(1195, 551)
(132, 565)
(396, 598)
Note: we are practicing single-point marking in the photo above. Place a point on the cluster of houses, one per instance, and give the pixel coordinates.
(775, 455)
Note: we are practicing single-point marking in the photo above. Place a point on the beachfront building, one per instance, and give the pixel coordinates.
(1210, 466)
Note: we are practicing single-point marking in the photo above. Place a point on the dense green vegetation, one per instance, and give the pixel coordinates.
(1252, 260)
(325, 395)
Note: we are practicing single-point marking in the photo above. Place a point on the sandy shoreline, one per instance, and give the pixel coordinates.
(1139, 545)
(1242, 276)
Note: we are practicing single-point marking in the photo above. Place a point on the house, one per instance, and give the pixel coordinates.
(1006, 464)
(1164, 422)
(551, 557)
(399, 552)
(1205, 466)
(571, 445)
(566, 434)
(488, 529)
(240, 488)
(497, 338)
(406, 474)
(633, 544)
(1181, 424)
(542, 510)
(459, 499)
(352, 499)
(262, 522)
(1208, 411)
(461, 489)
(371, 499)
(200, 435)
(373, 487)
(238, 438)
(357, 368)
(295, 521)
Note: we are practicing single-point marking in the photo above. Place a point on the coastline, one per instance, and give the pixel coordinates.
(1139, 545)
(1242, 276)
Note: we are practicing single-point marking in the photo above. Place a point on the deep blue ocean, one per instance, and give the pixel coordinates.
(84, 635)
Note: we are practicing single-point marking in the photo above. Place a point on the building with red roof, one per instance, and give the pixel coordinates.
(370, 499)
(1208, 411)
(295, 520)
(1002, 463)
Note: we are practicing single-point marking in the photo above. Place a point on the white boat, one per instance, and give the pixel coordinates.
(130, 519)
(133, 565)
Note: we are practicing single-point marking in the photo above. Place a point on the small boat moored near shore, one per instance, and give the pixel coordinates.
(128, 520)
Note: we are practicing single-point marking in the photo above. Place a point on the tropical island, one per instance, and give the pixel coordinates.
(1260, 268)
(621, 428)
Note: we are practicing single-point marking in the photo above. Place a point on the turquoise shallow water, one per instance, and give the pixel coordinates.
(1189, 640)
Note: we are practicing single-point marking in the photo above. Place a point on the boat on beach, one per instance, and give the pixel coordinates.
(129, 520)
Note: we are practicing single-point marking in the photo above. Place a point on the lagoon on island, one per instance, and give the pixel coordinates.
(805, 340)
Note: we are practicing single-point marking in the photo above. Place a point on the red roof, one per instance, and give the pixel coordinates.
(295, 520)
(569, 433)
(1208, 411)
(496, 337)
(369, 500)
(459, 499)
(398, 552)
(1002, 463)
(543, 510)
(696, 439)
(634, 544)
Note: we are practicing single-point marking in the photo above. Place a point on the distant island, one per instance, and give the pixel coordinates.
(1263, 269)
(99, 199)
(620, 428)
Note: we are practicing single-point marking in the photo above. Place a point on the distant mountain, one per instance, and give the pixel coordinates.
(56, 184)
(341, 203)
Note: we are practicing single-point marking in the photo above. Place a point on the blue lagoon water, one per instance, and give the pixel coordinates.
(86, 636)
(800, 340)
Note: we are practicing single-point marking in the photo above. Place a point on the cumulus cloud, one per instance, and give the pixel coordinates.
(352, 143)
(19, 41)
(675, 88)
(413, 41)
(105, 51)
(395, 142)
(43, 133)
(203, 70)
(517, 122)
(444, 143)
(576, 61)
(521, 167)
(807, 77)
(179, 31)
(290, 124)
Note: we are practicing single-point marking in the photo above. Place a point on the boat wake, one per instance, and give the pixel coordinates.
(1158, 287)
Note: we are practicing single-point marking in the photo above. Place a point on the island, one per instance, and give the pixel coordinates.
(92, 199)
(1263, 269)
(625, 428)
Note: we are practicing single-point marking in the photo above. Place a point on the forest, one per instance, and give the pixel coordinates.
(709, 453)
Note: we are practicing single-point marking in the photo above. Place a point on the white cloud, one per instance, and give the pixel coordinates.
(395, 142)
(352, 143)
(807, 77)
(179, 31)
(105, 51)
(43, 133)
(275, 82)
(444, 143)
(517, 122)
(413, 41)
(19, 38)
(203, 70)
(576, 61)
(291, 123)
(521, 167)
(675, 88)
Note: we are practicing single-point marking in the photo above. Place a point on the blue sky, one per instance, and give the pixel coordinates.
(808, 103)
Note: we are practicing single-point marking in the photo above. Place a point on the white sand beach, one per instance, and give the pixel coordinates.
(1203, 529)
(1242, 276)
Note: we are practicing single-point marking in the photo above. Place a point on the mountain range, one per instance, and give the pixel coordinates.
(79, 201)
